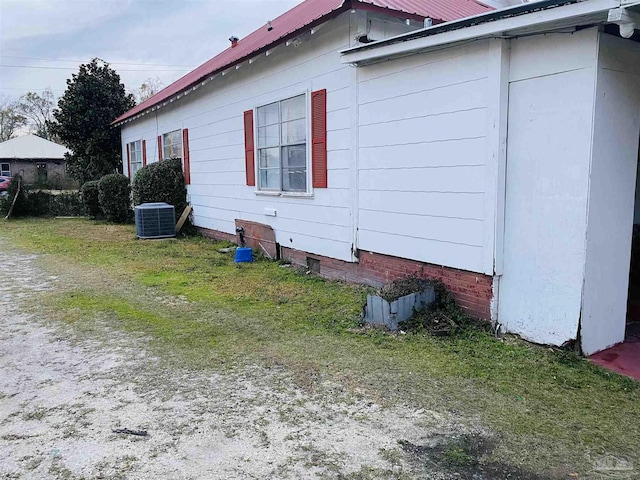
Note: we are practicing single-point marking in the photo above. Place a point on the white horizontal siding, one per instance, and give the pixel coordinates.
(430, 128)
(531, 57)
(214, 116)
(443, 229)
(435, 204)
(440, 253)
(422, 157)
(463, 179)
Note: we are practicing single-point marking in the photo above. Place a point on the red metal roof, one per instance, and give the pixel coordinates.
(438, 10)
(304, 15)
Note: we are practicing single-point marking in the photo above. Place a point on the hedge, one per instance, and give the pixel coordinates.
(114, 197)
(66, 204)
(36, 203)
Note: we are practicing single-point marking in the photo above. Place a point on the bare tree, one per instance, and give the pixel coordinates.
(10, 118)
(38, 110)
(148, 89)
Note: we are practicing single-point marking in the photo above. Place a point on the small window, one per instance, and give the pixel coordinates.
(172, 145)
(135, 157)
(282, 145)
(5, 169)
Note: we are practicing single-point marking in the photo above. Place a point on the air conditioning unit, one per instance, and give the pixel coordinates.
(155, 220)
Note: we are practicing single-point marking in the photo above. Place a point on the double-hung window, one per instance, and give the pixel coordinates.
(135, 157)
(172, 145)
(281, 129)
(5, 169)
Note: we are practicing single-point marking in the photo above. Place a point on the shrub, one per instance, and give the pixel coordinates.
(90, 199)
(161, 182)
(114, 196)
(21, 207)
(36, 203)
(66, 204)
(39, 203)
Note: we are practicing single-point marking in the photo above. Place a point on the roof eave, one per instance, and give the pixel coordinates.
(532, 17)
(201, 81)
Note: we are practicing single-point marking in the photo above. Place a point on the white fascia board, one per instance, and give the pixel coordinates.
(589, 11)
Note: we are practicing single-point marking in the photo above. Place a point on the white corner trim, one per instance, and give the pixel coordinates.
(496, 155)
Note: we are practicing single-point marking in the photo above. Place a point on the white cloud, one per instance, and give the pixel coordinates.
(162, 32)
(26, 18)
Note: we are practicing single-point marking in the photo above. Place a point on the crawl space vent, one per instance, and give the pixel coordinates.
(155, 220)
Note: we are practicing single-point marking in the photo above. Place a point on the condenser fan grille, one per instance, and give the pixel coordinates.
(155, 220)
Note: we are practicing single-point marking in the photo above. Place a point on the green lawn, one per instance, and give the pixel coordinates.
(549, 410)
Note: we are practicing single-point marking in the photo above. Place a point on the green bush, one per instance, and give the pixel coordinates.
(90, 199)
(44, 204)
(21, 207)
(161, 182)
(114, 196)
(68, 204)
(36, 203)
(39, 203)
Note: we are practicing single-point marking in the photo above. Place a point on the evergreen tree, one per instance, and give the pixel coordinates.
(93, 100)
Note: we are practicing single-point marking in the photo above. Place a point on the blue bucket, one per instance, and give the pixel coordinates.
(243, 255)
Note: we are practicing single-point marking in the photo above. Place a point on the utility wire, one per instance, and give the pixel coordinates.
(75, 68)
(112, 63)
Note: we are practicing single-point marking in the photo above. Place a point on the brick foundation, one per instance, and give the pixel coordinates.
(472, 291)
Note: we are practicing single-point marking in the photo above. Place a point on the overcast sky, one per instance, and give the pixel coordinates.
(140, 38)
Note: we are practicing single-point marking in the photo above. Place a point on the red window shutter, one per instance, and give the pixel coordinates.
(319, 138)
(159, 148)
(185, 158)
(250, 167)
(128, 162)
(144, 153)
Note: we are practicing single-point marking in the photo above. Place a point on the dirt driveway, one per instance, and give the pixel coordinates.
(63, 392)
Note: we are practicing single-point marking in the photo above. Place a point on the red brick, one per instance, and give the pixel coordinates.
(472, 291)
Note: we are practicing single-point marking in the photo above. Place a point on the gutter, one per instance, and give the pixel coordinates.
(537, 16)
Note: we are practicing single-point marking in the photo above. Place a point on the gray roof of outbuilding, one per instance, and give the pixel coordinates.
(31, 147)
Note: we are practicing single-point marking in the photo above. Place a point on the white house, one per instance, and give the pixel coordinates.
(496, 150)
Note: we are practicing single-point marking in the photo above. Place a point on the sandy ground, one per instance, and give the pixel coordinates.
(62, 393)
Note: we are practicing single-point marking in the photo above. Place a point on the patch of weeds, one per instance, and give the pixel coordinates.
(442, 317)
(374, 473)
(37, 414)
(12, 437)
(31, 463)
(459, 454)
(61, 473)
(465, 456)
(316, 458)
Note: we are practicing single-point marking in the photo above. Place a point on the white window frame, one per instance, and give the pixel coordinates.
(164, 155)
(7, 172)
(256, 150)
(138, 162)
